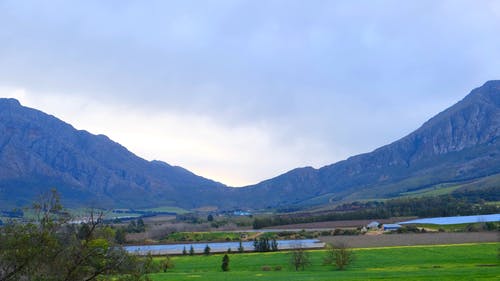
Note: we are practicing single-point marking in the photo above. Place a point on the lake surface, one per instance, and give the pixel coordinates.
(456, 220)
(217, 247)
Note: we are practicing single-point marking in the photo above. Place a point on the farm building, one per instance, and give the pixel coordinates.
(373, 225)
(391, 227)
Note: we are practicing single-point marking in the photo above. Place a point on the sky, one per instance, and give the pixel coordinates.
(242, 91)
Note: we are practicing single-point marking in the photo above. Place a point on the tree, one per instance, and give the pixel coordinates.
(184, 252)
(50, 247)
(120, 236)
(166, 263)
(299, 258)
(136, 227)
(338, 255)
(225, 263)
(191, 250)
(274, 245)
(206, 251)
(210, 217)
(141, 227)
(262, 245)
(240, 247)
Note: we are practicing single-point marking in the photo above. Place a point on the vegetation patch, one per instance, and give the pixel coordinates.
(202, 237)
(449, 262)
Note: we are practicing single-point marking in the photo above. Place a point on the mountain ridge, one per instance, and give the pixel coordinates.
(468, 124)
(38, 151)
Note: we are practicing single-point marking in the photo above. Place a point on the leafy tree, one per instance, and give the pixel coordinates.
(210, 217)
(184, 252)
(264, 245)
(206, 251)
(274, 245)
(52, 248)
(191, 250)
(225, 263)
(136, 226)
(299, 258)
(141, 227)
(132, 227)
(120, 236)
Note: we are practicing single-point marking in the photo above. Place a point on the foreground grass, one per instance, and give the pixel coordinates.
(448, 262)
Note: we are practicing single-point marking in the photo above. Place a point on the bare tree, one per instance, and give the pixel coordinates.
(299, 258)
(339, 255)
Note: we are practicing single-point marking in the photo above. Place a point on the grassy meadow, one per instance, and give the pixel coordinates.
(444, 262)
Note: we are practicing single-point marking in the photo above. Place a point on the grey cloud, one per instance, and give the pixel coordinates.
(331, 69)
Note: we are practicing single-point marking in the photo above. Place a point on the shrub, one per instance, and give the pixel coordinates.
(225, 263)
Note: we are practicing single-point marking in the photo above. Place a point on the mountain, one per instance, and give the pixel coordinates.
(39, 151)
(459, 144)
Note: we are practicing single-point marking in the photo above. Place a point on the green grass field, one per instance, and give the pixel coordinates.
(447, 262)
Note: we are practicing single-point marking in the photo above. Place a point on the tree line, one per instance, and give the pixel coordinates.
(455, 204)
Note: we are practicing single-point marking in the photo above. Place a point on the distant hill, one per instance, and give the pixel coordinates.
(39, 151)
(457, 145)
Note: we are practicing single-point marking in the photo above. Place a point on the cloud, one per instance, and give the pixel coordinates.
(307, 83)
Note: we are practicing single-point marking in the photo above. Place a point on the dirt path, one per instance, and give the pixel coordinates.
(410, 239)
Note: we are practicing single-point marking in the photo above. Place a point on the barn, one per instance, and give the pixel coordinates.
(391, 227)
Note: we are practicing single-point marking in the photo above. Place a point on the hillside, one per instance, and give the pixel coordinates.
(459, 144)
(39, 151)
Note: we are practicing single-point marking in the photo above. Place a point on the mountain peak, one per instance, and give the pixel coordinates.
(458, 144)
(9, 102)
(489, 92)
(492, 83)
(38, 151)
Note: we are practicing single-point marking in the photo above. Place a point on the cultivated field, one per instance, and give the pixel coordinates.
(337, 224)
(410, 239)
(448, 262)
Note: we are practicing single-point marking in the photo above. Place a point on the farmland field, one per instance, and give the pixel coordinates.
(387, 240)
(443, 262)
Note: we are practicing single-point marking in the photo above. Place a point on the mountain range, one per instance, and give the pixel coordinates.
(39, 151)
(458, 145)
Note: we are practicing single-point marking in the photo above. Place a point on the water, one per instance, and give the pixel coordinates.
(218, 247)
(456, 220)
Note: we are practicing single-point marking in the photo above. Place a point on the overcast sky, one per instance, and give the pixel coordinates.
(241, 91)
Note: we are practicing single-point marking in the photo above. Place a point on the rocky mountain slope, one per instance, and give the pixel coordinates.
(39, 151)
(459, 144)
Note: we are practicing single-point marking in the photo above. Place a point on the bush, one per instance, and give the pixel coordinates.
(266, 268)
(339, 255)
